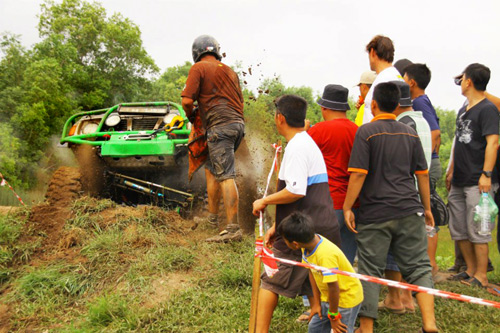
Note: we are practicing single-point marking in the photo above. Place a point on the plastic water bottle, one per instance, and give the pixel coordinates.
(486, 211)
(431, 231)
(485, 216)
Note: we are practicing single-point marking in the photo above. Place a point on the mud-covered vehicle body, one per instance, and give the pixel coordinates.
(135, 152)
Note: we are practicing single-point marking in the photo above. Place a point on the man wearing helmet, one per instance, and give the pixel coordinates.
(216, 88)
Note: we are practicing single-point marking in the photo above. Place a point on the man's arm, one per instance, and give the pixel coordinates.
(279, 198)
(333, 302)
(356, 181)
(425, 196)
(495, 100)
(449, 169)
(490, 157)
(187, 105)
(282, 197)
(436, 140)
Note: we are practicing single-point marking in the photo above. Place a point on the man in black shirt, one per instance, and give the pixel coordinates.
(472, 171)
(385, 157)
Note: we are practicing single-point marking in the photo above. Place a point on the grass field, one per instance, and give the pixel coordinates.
(133, 275)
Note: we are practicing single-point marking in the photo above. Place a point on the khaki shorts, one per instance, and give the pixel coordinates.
(289, 281)
(462, 202)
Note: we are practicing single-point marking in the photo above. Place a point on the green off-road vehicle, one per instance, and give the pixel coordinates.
(134, 153)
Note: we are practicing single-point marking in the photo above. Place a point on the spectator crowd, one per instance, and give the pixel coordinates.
(361, 193)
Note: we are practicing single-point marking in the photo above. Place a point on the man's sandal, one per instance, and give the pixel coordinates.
(459, 277)
(473, 282)
(304, 317)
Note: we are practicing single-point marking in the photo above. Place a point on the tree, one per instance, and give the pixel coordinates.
(85, 60)
(12, 67)
(103, 58)
(170, 85)
(447, 120)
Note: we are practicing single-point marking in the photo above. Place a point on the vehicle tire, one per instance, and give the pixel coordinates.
(64, 187)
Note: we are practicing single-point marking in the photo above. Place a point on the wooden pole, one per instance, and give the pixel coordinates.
(252, 327)
(255, 292)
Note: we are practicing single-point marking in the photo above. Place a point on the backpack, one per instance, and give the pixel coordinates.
(439, 210)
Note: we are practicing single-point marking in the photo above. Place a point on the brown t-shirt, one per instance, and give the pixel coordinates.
(217, 89)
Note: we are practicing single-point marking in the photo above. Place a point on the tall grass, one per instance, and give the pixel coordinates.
(32, 197)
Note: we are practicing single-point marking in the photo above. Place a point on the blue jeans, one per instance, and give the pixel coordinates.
(349, 246)
(349, 316)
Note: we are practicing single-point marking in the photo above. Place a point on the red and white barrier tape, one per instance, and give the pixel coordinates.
(4, 182)
(267, 257)
(273, 167)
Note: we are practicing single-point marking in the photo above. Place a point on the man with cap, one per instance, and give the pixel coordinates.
(217, 89)
(335, 137)
(400, 301)
(401, 65)
(381, 55)
(472, 171)
(365, 83)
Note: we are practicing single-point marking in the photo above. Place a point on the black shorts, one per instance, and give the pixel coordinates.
(290, 281)
(222, 143)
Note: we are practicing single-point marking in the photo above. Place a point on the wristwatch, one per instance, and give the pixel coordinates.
(487, 173)
(334, 316)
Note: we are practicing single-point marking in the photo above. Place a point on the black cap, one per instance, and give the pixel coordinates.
(401, 65)
(335, 98)
(404, 89)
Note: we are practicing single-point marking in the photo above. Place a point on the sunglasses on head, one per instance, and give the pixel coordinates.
(458, 80)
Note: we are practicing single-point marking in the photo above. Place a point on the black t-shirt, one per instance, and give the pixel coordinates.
(472, 127)
(390, 154)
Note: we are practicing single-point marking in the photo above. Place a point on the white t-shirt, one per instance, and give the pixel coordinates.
(303, 164)
(388, 74)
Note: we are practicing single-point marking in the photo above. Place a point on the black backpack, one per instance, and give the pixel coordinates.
(439, 210)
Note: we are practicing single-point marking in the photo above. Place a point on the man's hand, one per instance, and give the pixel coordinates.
(270, 236)
(192, 116)
(338, 326)
(350, 220)
(484, 183)
(358, 105)
(258, 206)
(429, 219)
(307, 125)
(449, 177)
(315, 309)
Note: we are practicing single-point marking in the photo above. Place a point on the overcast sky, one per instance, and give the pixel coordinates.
(310, 43)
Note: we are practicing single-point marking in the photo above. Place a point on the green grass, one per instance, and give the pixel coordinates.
(131, 279)
(87, 204)
(11, 251)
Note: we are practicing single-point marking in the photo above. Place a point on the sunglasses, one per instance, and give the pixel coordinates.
(458, 80)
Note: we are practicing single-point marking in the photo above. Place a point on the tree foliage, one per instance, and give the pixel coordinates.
(85, 60)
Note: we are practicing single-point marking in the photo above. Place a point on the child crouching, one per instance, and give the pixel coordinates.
(336, 298)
